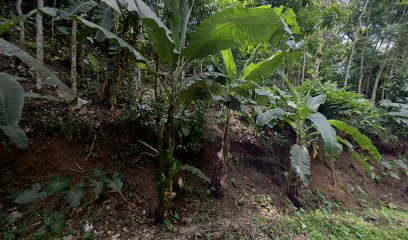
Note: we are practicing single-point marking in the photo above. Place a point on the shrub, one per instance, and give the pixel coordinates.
(344, 105)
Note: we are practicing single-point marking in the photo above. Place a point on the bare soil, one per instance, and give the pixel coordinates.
(257, 183)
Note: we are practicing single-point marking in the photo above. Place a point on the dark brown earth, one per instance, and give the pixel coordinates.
(257, 182)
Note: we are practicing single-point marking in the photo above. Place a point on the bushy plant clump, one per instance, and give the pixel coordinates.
(345, 105)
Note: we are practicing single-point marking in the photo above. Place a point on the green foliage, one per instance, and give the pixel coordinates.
(235, 25)
(331, 146)
(55, 221)
(100, 180)
(363, 141)
(57, 185)
(49, 78)
(300, 162)
(11, 107)
(389, 224)
(194, 171)
(75, 196)
(32, 195)
(342, 104)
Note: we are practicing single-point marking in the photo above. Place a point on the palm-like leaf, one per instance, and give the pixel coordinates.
(362, 140)
(49, 78)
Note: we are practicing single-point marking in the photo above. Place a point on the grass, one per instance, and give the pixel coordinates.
(372, 224)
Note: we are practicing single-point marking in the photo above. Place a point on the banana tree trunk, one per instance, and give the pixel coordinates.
(304, 67)
(40, 39)
(22, 29)
(220, 173)
(166, 160)
(74, 82)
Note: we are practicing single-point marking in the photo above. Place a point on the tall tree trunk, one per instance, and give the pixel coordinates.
(367, 90)
(359, 24)
(318, 60)
(22, 29)
(74, 56)
(40, 40)
(379, 74)
(304, 67)
(360, 79)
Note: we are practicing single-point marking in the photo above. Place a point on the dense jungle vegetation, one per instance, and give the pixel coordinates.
(223, 119)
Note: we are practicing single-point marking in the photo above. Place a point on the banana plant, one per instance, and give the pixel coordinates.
(243, 92)
(223, 30)
(12, 93)
(301, 113)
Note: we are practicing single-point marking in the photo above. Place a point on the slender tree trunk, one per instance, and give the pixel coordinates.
(74, 56)
(360, 79)
(304, 67)
(359, 24)
(379, 74)
(40, 39)
(319, 53)
(367, 90)
(22, 29)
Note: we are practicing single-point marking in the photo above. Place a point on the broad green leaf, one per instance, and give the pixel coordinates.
(32, 195)
(233, 26)
(113, 4)
(98, 173)
(313, 103)
(362, 140)
(207, 85)
(138, 57)
(266, 117)
(174, 18)
(11, 107)
(160, 35)
(195, 171)
(75, 196)
(229, 63)
(303, 112)
(92, 59)
(106, 22)
(57, 185)
(300, 162)
(78, 7)
(345, 143)
(10, 23)
(331, 146)
(257, 72)
(289, 16)
(97, 186)
(56, 221)
(115, 183)
(49, 78)
(187, 8)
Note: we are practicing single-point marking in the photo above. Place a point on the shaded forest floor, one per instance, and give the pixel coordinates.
(255, 205)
